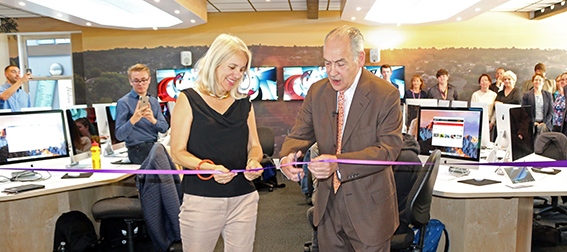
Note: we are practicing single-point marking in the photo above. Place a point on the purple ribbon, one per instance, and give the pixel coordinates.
(561, 163)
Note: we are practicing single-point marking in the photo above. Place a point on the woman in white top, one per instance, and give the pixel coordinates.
(485, 95)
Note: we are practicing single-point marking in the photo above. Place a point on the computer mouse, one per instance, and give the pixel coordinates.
(478, 179)
(73, 174)
(547, 169)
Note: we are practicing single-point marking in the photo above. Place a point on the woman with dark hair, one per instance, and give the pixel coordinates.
(559, 104)
(443, 90)
(485, 95)
(416, 90)
(541, 102)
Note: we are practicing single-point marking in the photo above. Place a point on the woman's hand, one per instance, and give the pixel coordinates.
(224, 177)
(253, 164)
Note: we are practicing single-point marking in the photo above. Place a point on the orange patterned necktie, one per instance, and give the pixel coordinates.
(340, 124)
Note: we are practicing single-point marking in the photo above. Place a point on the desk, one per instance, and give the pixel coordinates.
(491, 217)
(27, 220)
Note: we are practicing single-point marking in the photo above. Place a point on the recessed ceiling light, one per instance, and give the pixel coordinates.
(542, 10)
(157, 1)
(353, 18)
(562, 3)
(155, 28)
(358, 8)
(400, 12)
(89, 24)
(552, 6)
(59, 15)
(459, 19)
(477, 9)
(22, 4)
(177, 11)
(123, 13)
(267, 0)
(193, 21)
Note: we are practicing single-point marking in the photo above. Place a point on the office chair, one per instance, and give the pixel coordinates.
(419, 205)
(268, 178)
(552, 145)
(128, 209)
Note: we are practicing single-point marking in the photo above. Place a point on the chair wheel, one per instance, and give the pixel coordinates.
(538, 217)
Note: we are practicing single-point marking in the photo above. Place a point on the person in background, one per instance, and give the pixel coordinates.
(386, 71)
(443, 90)
(213, 127)
(541, 102)
(135, 125)
(497, 86)
(485, 95)
(509, 94)
(12, 96)
(559, 103)
(351, 115)
(86, 129)
(416, 90)
(82, 142)
(548, 85)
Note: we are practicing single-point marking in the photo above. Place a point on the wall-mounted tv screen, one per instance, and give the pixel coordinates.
(298, 80)
(261, 84)
(397, 78)
(172, 81)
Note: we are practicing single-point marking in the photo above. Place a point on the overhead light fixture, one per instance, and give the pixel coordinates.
(59, 15)
(155, 28)
(562, 3)
(412, 11)
(477, 9)
(89, 24)
(542, 10)
(193, 21)
(459, 19)
(353, 18)
(177, 11)
(358, 8)
(22, 4)
(123, 13)
(552, 6)
(157, 1)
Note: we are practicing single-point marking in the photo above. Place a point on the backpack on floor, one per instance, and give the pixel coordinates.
(114, 233)
(77, 232)
(433, 233)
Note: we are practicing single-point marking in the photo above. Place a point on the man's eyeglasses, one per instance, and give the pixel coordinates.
(139, 81)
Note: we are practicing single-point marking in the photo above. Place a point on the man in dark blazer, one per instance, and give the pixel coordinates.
(362, 214)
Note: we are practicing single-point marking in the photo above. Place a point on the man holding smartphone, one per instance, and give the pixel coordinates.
(138, 116)
(12, 96)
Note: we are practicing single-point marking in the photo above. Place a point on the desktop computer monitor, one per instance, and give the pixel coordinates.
(422, 102)
(521, 132)
(111, 118)
(83, 131)
(502, 114)
(101, 122)
(485, 135)
(454, 131)
(32, 137)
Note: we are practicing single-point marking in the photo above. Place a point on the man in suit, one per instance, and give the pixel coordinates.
(355, 205)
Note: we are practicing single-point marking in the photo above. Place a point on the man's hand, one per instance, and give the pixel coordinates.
(289, 171)
(323, 170)
(148, 113)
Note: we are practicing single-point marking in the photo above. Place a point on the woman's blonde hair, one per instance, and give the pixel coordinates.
(224, 47)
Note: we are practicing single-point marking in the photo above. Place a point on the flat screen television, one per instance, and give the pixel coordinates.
(397, 78)
(83, 131)
(454, 131)
(261, 84)
(111, 118)
(32, 137)
(170, 82)
(298, 80)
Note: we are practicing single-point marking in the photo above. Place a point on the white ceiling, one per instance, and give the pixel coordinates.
(10, 8)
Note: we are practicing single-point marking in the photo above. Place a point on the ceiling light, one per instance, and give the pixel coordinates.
(353, 18)
(177, 11)
(157, 1)
(542, 10)
(459, 19)
(552, 6)
(358, 8)
(267, 0)
(193, 21)
(562, 3)
(89, 24)
(411, 11)
(477, 9)
(22, 4)
(123, 13)
(59, 15)
(155, 28)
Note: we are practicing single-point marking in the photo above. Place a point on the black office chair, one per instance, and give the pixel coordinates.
(267, 141)
(419, 205)
(127, 209)
(552, 145)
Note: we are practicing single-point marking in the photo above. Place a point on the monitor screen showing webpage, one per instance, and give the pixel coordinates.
(32, 136)
(454, 131)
